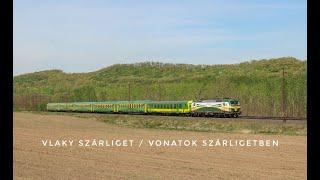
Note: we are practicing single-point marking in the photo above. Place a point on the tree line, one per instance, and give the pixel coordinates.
(257, 84)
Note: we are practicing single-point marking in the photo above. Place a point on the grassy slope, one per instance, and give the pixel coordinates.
(212, 125)
(256, 83)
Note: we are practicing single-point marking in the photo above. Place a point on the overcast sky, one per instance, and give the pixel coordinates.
(83, 35)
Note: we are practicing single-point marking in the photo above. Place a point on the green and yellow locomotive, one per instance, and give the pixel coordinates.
(226, 107)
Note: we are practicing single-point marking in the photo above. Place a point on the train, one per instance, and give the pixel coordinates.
(225, 107)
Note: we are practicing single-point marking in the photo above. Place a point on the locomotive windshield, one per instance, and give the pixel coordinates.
(234, 103)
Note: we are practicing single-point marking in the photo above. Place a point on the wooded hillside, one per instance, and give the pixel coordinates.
(257, 84)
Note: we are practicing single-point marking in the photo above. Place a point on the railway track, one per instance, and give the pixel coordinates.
(274, 118)
(240, 117)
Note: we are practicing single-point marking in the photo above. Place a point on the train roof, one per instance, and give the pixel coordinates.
(168, 102)
(119, 102)
(215, 100)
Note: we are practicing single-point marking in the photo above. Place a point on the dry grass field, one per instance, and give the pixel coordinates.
(32, 160)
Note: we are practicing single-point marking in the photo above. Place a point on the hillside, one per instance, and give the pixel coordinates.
(256, 83)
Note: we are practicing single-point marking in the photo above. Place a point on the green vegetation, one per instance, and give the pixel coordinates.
(197, 124)
(207, 125)
(257, 84)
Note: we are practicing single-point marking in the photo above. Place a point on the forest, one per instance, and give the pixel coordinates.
(256, 83)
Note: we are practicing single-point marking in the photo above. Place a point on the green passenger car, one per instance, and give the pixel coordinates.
(102, 107)
(169, 107)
